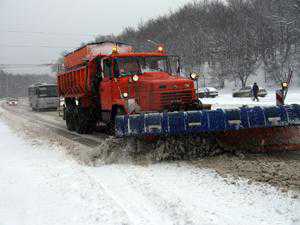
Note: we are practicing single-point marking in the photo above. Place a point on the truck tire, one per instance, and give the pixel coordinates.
(70, 120)
(83, 122)
(117, 111)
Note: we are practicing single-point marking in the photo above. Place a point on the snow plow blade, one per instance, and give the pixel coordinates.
(208, 121)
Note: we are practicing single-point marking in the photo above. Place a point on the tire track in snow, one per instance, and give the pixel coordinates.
(133, 189)
(186, 195)
(138, 208)
(172, 205)
(22, 112)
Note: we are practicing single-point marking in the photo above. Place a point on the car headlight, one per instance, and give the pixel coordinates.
(135, 78)
(125, 95)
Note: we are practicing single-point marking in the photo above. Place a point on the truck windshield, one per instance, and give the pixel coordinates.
(154, 64)
(47, 91)
(138, 65)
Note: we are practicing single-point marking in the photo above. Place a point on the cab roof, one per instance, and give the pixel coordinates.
(95, 43)
(135, 54)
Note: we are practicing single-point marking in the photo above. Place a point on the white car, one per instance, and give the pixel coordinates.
(12, 102)
(207, 92)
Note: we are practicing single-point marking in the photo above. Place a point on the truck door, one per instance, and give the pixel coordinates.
(105, 86)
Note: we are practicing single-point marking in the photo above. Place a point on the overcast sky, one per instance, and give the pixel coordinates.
(42, 24)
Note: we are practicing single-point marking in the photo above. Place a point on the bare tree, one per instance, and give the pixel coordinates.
(234, 38)
(14, 85)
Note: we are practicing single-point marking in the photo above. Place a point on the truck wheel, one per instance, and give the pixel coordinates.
(117, 111)
(70, 120)
(83, 123)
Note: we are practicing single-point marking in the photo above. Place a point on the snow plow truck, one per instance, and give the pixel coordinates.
(141, 94)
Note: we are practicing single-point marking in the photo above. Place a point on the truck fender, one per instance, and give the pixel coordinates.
(119, 103)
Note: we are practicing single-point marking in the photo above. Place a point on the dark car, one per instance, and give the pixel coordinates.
(246, 92)
(207, 92)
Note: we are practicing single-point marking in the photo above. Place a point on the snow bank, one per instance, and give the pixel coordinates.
(225, 100)
(40, 186)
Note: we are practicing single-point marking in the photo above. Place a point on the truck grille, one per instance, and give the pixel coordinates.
(179, 97)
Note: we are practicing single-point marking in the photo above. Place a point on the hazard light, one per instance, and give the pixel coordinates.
(125, 95)
(135, 78)
(115, 50)
(160, 48)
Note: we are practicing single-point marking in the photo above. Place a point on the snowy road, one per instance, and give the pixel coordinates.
(40, 185)
(52, 121)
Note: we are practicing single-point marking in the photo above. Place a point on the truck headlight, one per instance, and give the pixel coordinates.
(194, 76)
(160, 48)
(125, 95)
(135, 78)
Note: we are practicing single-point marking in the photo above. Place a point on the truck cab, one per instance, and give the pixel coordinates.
(144, 82)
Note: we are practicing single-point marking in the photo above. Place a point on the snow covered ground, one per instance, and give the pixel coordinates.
(225, 100)
(40, 185)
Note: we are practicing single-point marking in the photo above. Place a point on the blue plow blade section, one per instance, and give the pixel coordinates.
(206, 121)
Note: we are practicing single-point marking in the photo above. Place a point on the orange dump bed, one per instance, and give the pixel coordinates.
(73, 83)
(89, 51)
(77, 78)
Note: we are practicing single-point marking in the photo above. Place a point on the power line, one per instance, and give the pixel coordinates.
(33, 46)
(17, 66)
(21, 68)
(48, 33)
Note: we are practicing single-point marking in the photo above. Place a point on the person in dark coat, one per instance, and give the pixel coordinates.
(255, 90)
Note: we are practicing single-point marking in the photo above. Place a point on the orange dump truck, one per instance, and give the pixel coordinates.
(106, 79)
